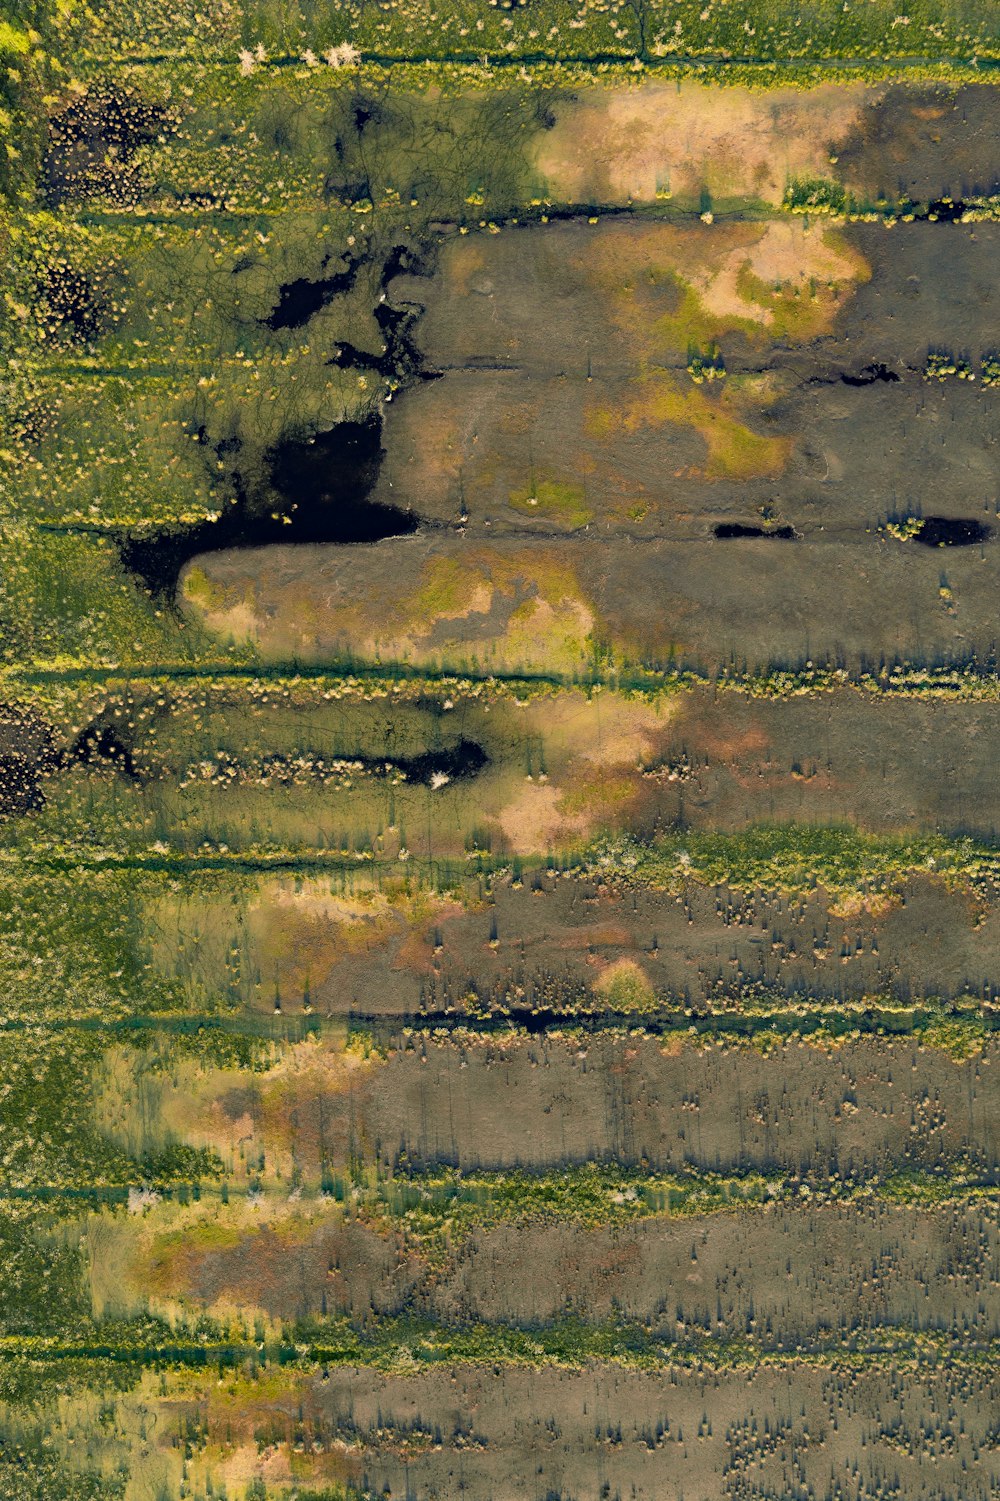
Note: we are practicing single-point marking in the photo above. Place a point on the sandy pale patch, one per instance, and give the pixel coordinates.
(688, 139)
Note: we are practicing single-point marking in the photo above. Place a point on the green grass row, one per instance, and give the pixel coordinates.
(795, 859)
(405, 1346)
(85, 923)
(767, 30)
(107, 826)
(440, 1210)
(58, 689)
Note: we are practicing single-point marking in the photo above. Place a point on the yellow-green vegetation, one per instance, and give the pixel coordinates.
(829, 197)
(733, 450)
(501, 615)
(651, 31)
(707, 365)
(673, 286)
(563, 504)
(793, 858)
(904, 529)
(626, 988)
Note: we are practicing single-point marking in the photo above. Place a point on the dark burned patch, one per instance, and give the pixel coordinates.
(322, 482)
(197, 198)
(402, 260)
(92, 141)
(79, 307)
(20, 790)
(27, 755)
(871, 375)
(313, 489)
(950, 210)
(349, 356)
(536, 1021)
(454, 763)
(240, 1101)
(947, 531)
(365, 111)
(399, 357)
(349, 187)
(102, 743)
(728, 531)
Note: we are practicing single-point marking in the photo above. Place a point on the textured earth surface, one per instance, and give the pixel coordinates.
(500, 916)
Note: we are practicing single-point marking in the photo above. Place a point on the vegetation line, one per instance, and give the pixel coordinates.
(970, 679)
(448, 1202)
(339, 671)
(406, 1346)
(794, 859)
(962, 1029)
(68, 859)
(666, 64)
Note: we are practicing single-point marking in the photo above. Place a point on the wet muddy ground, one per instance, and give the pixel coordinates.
(555, 341)
(870, 1106)
(440, 777)
(753, 604)
(636, 1432)
(784, 1273)
(565, 409)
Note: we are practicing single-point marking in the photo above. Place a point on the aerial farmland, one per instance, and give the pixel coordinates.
(499, 724)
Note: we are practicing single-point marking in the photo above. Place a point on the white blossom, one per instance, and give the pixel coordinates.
(141, 1198)
(344, 56)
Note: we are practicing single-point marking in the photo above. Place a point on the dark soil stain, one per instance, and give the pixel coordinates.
(870, 375)
(433, 768)
(949, 210)
(102, 742)
(20, 791)
(945, 531)
(728, 530)
(300, 300)
(27, 753)
(29, 756)
(925, 143)
(458, 763)
(307, 488)
(317, 488)
(79, 308)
